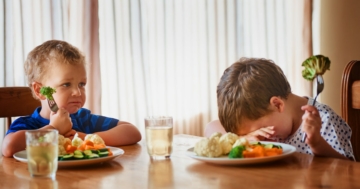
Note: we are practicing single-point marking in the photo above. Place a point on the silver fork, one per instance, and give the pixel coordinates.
(52, 104)
(319, 89)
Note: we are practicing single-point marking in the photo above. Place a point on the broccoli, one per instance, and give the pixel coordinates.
(315, 65)
(237, 152)
(47, 92)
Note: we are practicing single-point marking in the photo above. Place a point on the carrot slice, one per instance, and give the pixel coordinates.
(98, 146)
(70, 149)
(89, 147)
(273, 152)
(88, 143)
(110, 152)
(67, 143)
(257, 151)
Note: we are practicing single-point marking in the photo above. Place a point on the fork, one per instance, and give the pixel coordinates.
(319, 89)
(52, 104)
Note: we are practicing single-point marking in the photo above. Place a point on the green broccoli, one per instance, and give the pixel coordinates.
(315, 65)
(47, 92)
(237, 152)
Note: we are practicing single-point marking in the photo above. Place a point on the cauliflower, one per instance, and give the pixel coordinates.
(62, 150)
(96, 139)
(76, 141)
(61, 144)
(226, 142)
(216, 135)
(209, 147)
(241, 142)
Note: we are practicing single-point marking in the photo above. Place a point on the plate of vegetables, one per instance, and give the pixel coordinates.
(229, 149)
(75, 159)
(78, 152)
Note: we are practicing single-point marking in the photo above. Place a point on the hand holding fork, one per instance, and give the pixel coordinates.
(320, 87)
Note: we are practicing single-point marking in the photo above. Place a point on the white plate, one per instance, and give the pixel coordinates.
(225, 160)
(21, 156)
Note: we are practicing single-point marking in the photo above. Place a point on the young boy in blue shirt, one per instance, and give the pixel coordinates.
(61, 66)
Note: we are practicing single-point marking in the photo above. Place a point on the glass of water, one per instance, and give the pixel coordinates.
(42, 152)
(159, 136)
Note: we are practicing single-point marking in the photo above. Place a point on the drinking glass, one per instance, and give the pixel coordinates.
(42, 152)
(159, 136)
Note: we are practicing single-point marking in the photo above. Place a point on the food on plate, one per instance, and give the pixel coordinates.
(227, 141)
(92, 146)
(47, 92)
(62, 144)
(315, 65)
(253, 150)
(76, 141)
(234, 146)
(216, 145)
(209, 147)
(96, 139)
(237, 152)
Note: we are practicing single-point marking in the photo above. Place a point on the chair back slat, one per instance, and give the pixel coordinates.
(15, 102)
(350, 102)
(355, 95)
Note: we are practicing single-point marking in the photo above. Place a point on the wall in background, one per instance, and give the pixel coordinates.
(340, 41)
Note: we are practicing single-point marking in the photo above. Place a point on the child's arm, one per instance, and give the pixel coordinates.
(260, 134)
(15, 142)
(123, 134)
(311, 125)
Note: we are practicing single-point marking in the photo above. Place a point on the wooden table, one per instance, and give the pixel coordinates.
(135, 170)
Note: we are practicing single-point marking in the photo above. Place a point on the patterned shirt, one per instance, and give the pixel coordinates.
(333, 129)
(82, 120)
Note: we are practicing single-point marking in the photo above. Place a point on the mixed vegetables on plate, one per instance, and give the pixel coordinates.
(91, 147)
(233, 146)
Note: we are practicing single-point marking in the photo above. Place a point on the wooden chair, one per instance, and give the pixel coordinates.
(16, 101)
(350, 102)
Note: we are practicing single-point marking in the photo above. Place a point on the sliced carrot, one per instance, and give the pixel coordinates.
(273, 152)
(67, 143)
(257, 151)
(69, 148)
(89, 147)
(88, 143)
(98, 146)
(110, 152)
(81, 147)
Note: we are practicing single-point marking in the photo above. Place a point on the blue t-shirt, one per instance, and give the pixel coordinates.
(82, 120)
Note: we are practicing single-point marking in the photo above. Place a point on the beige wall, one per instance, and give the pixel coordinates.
(340, 41)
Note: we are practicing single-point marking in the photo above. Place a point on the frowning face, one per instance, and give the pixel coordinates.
(69, 82)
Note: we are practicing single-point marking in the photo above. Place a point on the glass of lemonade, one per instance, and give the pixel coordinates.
(159, 136)
(42, 152)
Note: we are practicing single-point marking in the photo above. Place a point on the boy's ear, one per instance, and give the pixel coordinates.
(36, 88)
(277, 104)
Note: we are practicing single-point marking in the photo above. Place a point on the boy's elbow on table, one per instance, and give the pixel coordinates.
(131, 133)
(12, 143)
(123, 134)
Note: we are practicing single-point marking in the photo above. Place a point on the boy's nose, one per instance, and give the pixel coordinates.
(76, 92)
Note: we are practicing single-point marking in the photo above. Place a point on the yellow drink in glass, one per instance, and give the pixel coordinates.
(42, 152)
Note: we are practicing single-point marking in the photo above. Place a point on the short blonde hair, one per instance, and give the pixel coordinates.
(245, 90)
(42, 57)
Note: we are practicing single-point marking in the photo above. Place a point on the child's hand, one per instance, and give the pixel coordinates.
(61, 121)
(311, 125)
(260, 134)
(70, 134)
